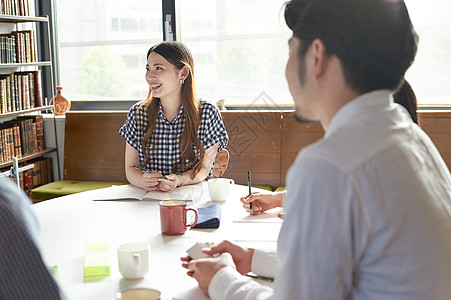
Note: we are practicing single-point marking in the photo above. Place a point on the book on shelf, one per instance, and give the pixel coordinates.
(21, 137)
(3, 96)
(37, 88)
(17, 143)
(7, 141)
(8, 48)
(26, 43)
(6, 154)
(15, 7)
(18, 47)
(39, 175)
(20, 91)
(2, 158)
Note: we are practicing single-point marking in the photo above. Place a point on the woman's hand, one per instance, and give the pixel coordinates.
(151, 180)
(262, 202)
(167, 183)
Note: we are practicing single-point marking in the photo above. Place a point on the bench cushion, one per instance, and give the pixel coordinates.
(67, 187)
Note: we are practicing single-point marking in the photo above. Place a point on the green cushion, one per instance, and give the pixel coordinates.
(280, 189)
(263, 187)
(67, 187)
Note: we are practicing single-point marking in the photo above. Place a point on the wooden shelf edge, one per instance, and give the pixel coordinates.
(21, 112)
(29, 157)
(30, 64)
(20, 19)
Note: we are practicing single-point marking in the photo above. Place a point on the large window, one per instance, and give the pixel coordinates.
(102, 46)
(239, 48)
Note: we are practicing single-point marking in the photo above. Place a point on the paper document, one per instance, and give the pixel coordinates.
(270, 216)
(130, 192)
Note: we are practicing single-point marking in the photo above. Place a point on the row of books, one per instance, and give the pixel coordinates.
(39, 175)
(21, 137)
(20, 91)
(15, 7)
(18, 47)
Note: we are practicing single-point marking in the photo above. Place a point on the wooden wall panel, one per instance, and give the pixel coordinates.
(254, 145)
(438, 126)
(265, 143)
(93, 148)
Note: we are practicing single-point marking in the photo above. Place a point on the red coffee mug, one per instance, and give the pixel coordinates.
(173, 217)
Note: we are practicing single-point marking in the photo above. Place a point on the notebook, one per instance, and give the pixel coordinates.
(129, 192)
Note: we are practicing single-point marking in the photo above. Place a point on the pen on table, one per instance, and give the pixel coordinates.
(147, 171)
(249, 184)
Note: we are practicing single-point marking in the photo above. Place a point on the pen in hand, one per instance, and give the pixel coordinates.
(147, 171)
(249, 184)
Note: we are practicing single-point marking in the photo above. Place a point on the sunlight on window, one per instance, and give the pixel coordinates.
(103, 46)
(239, 48)
(430, 75)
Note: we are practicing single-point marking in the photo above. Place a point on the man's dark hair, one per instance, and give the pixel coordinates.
(373, 39)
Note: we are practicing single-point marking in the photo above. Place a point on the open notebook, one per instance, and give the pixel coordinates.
(193, 192)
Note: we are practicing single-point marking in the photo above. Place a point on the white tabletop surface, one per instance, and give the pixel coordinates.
(68, 222)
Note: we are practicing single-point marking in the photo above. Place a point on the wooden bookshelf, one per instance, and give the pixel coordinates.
(29, 157)
(21, 112)
(22, 68)
(21, 19)
(30, 64)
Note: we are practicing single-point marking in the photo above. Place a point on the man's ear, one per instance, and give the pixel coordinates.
(320, 57)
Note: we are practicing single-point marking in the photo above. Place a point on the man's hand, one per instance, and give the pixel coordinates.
(230, 255)
(242, 257)
(204, 269)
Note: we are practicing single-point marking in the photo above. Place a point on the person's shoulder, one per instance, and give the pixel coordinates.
(334, 150)
(9, 195)
(140, 105)
(137, 111)
(208, 106)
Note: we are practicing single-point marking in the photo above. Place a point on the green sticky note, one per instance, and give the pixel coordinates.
(55, 272)
(97, 263)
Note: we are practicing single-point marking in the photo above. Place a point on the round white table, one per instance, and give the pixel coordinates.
(68, 223)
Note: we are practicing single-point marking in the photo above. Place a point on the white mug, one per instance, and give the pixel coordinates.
(219, 188)
(133, 259)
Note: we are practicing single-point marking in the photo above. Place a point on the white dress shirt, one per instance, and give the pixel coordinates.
(367, 214)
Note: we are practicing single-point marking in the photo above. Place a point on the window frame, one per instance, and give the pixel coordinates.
(48, 7)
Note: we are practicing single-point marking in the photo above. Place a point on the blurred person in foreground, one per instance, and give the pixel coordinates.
(368, 207)
(23, 273)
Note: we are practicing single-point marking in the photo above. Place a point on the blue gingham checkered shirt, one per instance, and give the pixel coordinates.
(23, 274)
(165, 150)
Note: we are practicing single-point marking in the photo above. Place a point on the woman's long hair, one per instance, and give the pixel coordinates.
(191, 148)
(406, 97)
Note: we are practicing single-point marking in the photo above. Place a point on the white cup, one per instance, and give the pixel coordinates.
(219, 188)
(133, 260)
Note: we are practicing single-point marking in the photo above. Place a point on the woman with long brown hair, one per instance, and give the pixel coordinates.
(172, 136)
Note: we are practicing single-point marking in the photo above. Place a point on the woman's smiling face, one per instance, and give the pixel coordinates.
(162, 77)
